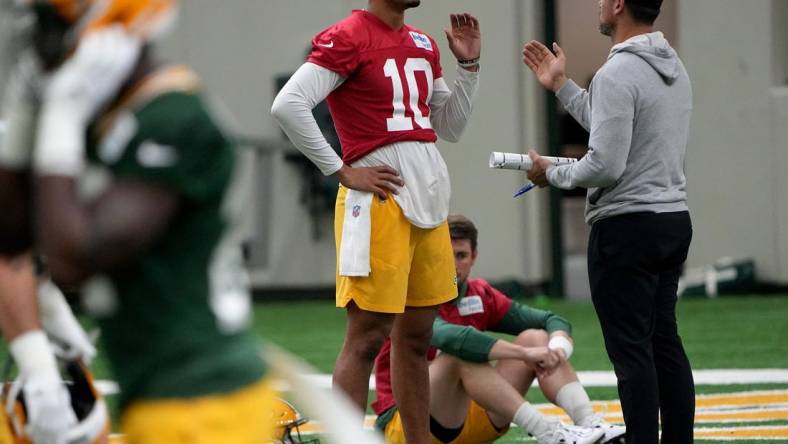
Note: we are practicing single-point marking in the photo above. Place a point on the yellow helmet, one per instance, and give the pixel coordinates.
(287, 421)
(93, 425)
(149, 19)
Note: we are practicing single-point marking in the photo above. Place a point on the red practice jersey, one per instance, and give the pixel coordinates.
(482, 307)
(388, 82)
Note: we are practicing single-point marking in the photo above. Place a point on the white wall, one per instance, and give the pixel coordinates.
(238, 47)
(780, 182)
(585, 47)
(780, 39)
(737, 149)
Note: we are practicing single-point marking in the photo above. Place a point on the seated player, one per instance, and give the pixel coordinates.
(472, 401)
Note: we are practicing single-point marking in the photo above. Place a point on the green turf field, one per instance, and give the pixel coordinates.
(728, 332)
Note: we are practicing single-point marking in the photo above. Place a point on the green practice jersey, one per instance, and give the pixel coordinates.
(175, 319)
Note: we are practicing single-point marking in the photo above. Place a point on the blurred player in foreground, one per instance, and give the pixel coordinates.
(384, 85)
(33, 311)
(153, 251)
(474, 402)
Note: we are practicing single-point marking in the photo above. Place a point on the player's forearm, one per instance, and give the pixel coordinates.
(80, 239)
(62, 229)
(450, 110)
(576, 102)
(507, 350)
(292, 109)
(521, 317)
(464, 342)
(599, 168)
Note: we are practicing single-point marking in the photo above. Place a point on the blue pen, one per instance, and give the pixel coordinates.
(528, 187)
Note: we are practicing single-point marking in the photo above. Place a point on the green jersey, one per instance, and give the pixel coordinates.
(175, 319)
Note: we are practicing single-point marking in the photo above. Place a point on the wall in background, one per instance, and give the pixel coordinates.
(737, 151)
(585, 47)
(239, 50)
(736, 53)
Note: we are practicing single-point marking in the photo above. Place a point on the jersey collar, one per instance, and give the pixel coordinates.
(380, 23)
(462, 290)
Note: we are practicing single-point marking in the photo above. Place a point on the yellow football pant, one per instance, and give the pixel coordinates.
(240, 417)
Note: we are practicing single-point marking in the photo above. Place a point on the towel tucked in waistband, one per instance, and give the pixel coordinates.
(356, 234)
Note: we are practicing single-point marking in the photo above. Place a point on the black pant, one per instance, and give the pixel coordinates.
(634, 264)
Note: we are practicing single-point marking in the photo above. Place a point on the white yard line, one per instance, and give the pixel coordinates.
(592, 378)
(702, 377)
(608, 378)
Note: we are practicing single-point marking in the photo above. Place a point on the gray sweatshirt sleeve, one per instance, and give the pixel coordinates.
(575, 101)
(612, 110)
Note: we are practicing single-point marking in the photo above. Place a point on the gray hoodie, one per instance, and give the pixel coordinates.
(637, 110)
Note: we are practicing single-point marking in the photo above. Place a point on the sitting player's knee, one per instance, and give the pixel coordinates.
(448, 361)
(469, 369)
(532, 338)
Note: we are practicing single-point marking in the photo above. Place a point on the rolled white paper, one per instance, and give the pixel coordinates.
(519, 161)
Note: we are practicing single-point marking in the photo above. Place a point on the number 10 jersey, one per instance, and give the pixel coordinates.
(389, 77)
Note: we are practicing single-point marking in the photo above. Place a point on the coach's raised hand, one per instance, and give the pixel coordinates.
(549, 68)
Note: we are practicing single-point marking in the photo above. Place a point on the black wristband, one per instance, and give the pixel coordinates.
(468, 63)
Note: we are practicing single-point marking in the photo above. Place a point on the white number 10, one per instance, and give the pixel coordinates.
(398, 121)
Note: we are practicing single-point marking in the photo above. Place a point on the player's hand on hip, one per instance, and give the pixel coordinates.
(464, 36)
(538, 172)
(380, 180)
(550, 69)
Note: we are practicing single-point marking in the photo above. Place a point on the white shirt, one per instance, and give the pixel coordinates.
(424, 199)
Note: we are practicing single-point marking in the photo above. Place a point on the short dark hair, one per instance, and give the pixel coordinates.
(460, 227)
(644, 11)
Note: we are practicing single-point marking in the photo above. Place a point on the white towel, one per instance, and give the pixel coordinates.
(356, 233)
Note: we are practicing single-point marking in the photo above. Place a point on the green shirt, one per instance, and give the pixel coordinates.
(175, 319)
(470, 342)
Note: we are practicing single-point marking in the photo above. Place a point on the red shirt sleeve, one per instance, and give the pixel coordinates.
(334, 50)
(437, 70)
(501, 304)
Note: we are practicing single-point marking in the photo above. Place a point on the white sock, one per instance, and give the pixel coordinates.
(531, 420)
(574, 400)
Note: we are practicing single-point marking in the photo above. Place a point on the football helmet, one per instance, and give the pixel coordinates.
(287, 422)
(92, 425)
(148, 19)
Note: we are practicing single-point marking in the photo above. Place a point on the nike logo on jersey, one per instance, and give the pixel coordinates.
(421, 40)
(327, 45)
